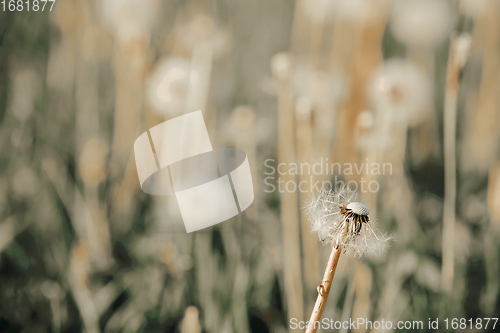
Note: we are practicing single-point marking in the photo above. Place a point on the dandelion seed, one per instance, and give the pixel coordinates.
(340, 220)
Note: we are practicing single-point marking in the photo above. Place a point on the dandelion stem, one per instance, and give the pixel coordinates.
(289, 200)
(459, 49)
(304, 140)
(326, 284)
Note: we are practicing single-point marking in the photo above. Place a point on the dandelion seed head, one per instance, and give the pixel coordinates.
(358, 208)
(359, 10)
(317, 10)
(401, 87)
(340, 220)
(476, 8)
(421, 23)
(243, 118)
(202, 29)
(319, 86)
(365, 120)
(129, 19)
(462, 48)
(168, 86)
(281, 66)
(92, 161)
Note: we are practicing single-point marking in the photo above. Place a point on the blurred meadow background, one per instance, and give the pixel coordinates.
(413, 83)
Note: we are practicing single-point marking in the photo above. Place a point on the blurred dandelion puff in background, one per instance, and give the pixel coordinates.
(399, 86)
(129, 19)
(421, 23)
(168, 86)
(201, 29)
(318, 85)
(359, 10)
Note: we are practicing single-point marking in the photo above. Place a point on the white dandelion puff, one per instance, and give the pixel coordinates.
(168, 86)
(317, 10)
(401, 87)
(421, 23)
(475, 8)
(319, 86)
(203, 30)
(339, 219)
(359, 11)
(129, 19)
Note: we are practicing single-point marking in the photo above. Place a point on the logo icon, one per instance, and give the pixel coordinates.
(211, 186)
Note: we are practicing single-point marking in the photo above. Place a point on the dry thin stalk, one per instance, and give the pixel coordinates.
(315, 43)
(304, 131)
(244, 123)
(191, 320)
(349, 298)
(300, 31)
(87, 125)
(494, 192)
(78, 275)
(398, 269)
(326, 285)
(365, 59)
(344, 41)
(290, 218)
(458, 54)
(129, 69)
(426, 134)
(363, 286)
(205, 281)
(358, 51)
(289, 200)
(481, 139)
(239, 277)
(199, 81)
